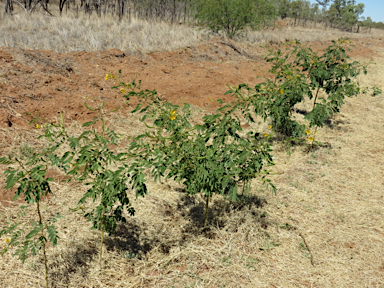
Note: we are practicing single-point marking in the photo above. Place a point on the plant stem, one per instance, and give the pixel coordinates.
(102, 236)
(43, 243)
(313, 142)
(206, 211)
(309, 250)
(317, 94)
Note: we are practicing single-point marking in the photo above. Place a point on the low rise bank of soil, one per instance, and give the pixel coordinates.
(41, 84)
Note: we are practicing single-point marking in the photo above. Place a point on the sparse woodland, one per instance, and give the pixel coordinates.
(341, 14)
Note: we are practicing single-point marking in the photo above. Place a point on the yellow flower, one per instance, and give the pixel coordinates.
(270, 127)
(81, 207)
(173, 115)
(7, 240)
(281, 91)
(311, 138)
(109, 76)
(266, 134)
(37, 126)
(122, 90)
(313, 61)
(307, 132)
(288, 77)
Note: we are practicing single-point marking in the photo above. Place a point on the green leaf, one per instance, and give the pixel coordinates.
(88, 123)
(12, 178)
(35, 231)
(52, 234)
(86, 105)
(6, 161)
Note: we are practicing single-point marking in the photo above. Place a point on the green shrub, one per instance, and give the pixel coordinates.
(233, 16)
(32, 183)
(210, 157)
(106, 172)
(300, 74)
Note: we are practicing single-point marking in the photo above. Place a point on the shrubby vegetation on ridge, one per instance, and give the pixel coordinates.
(230, 17)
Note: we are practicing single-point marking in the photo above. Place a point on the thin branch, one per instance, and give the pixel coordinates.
(21, 4)
(309, 250)
(14, 111)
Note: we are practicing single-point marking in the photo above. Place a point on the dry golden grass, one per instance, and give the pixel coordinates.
(289, 33)
(81, 32)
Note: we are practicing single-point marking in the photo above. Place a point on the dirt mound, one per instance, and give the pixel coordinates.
(40, 84)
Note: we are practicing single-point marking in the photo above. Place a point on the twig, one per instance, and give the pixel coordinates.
(14, 111)
(238, 50)
(309, 250)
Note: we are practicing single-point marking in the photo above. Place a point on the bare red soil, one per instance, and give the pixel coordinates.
(41, 84)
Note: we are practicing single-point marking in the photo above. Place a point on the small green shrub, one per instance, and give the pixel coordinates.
(92, 161)
(32, 183)
(233, 16)
(300, 74)
(209, 157)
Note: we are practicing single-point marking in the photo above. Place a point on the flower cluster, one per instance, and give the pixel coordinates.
(311, 135)
(173, 115)
(109, 76)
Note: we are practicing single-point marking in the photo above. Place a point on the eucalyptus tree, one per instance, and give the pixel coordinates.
(232, 17)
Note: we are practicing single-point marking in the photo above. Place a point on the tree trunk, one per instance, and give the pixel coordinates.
(7, 6)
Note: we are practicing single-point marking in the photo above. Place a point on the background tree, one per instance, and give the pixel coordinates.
(233, 16)
(8, 8)
(283, 8)
(344, 14)
(366, 23)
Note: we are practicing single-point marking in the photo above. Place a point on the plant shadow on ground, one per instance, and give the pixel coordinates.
(73, 263)
(336, 124)
(131, 238)
(223, 214)
(135, 240)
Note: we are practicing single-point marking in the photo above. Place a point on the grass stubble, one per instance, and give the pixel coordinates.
(329, 200)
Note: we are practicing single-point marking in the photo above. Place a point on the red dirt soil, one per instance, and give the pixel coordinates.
(43, 83)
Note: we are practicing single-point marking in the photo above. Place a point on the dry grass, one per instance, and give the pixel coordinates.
(285, 33)
(81, 32)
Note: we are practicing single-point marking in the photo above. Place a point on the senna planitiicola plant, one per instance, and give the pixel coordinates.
(92, 160)
(28, 175)
(210, 157)
(301, 74)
